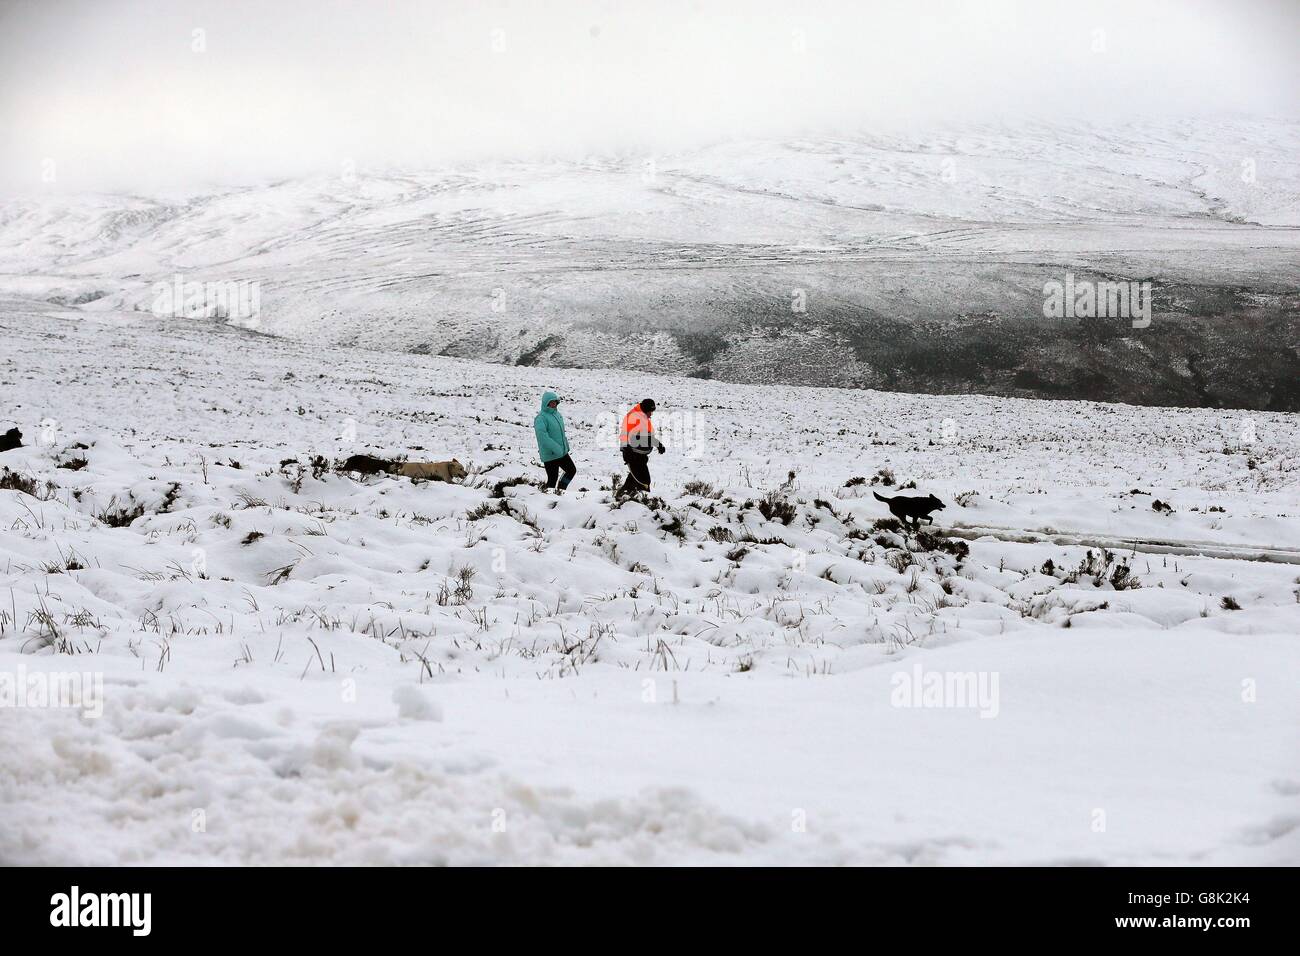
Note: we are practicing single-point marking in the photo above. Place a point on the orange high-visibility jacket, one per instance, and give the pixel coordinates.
(638, 430)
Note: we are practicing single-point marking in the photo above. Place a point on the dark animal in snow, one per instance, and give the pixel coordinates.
(916, 508)
(368, 465)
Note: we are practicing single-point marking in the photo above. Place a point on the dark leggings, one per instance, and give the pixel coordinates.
(553, 468)
(638, 472)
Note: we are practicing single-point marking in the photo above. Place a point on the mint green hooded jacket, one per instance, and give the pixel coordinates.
(551, 440)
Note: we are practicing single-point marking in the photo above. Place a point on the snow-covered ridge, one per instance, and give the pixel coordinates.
(690, 263)
(327, 669)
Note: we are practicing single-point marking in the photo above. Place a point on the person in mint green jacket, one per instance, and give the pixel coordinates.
(553, 445)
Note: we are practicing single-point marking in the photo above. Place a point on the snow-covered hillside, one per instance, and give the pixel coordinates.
(910, 261)
(302, 666)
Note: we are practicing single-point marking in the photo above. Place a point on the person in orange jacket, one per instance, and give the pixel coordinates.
(636, 441)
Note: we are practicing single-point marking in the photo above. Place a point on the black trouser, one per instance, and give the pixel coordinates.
(553, 468)
(638, 472)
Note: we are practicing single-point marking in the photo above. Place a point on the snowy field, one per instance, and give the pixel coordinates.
(302, 666)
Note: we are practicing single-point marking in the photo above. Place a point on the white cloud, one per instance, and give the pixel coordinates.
(118, 97)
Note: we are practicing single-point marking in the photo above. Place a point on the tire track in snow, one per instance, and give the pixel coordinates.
(1203, 549)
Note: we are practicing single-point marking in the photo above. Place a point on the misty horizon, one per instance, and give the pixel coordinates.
(147, 97)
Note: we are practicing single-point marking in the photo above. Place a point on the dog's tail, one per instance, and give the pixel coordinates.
(880, 497)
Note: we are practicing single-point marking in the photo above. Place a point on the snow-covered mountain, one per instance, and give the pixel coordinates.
(912, 262)
(1090, 658)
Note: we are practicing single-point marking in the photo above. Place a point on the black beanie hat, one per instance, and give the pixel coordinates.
(647, 404)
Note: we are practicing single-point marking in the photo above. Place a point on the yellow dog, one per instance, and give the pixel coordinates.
(433, 470)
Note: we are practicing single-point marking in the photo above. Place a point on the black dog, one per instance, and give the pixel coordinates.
(368, 465)
(903, 507)
(13, 438)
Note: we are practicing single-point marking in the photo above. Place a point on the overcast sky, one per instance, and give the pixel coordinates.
(126, 94)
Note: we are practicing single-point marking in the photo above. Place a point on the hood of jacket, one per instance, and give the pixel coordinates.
(547, 398)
